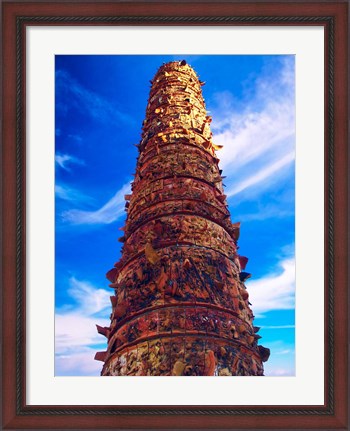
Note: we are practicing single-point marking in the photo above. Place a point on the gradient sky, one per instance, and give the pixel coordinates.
(100, 103)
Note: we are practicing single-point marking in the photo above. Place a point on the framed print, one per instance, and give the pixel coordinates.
(185, 337)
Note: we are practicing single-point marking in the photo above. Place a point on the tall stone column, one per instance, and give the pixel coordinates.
(180, 305)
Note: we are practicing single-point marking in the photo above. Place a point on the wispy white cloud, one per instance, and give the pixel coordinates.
(63, 160)
(67, 193)
(261, 175)
(282, 358)
(259, 135)
(76, 337)
(76, 138)
(266, 212)
(78, 363)
(90, 299)
(108, 213)
(280, 372)
(74, 330)
(283, 352)
(275, 291)
(86, 101)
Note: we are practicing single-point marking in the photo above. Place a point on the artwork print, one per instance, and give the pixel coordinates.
(175, 215)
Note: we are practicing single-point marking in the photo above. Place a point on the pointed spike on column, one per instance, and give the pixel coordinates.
(245, 295)
(243, 276)
(112, 274)
(236, 227)
(103, 330)
(113, 300)
(217, 147)
(243, 261)
(101, 356)
(264, 353)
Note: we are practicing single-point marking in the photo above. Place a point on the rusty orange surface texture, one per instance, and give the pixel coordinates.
(180, 305)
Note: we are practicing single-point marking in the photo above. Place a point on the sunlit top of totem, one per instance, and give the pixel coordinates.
(180, 306)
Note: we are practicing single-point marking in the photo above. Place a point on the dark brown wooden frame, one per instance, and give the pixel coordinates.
(333, 15)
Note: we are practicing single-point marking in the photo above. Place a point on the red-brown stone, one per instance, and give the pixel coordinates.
(180, 305)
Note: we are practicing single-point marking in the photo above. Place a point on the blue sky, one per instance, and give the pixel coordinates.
(100, 103)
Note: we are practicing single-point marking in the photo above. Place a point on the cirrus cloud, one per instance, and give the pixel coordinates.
(259, 139)
(76, 337)
(108, 213)
(275, 291)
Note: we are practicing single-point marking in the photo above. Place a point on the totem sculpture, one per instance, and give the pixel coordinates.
(180, 305)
